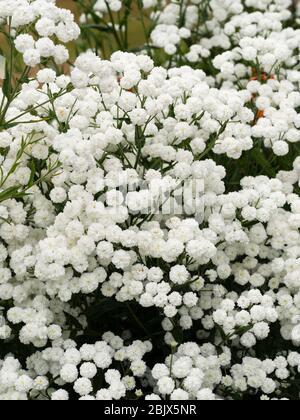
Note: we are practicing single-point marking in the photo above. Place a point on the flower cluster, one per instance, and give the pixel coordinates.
(34, 25)
(72, 370)
(149, 205)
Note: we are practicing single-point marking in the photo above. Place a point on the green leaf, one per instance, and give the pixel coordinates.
(262, 161)
(6, 83)
(100, 28)
(12, 192)
(32, 174)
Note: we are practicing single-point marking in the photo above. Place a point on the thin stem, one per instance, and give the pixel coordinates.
(136, 319)
(111, 16)
(8, 123)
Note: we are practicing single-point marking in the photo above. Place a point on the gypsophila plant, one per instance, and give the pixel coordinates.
(149, 200)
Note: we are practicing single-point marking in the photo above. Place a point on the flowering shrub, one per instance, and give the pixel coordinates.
(149, 200)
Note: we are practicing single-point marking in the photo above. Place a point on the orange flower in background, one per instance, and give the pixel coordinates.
(264, 78)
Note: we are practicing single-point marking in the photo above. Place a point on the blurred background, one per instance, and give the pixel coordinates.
(69, 4)
(136, 32)
(96, 36)
(102, 41)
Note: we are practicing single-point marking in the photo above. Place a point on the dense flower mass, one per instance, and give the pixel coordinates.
(149, 201)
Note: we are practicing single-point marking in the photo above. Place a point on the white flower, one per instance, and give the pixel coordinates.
(296, 333)
(83, 386)
(60, 395)
(69, 373)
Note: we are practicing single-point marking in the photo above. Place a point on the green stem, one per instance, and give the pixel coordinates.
(136, 319)
(111, 16)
